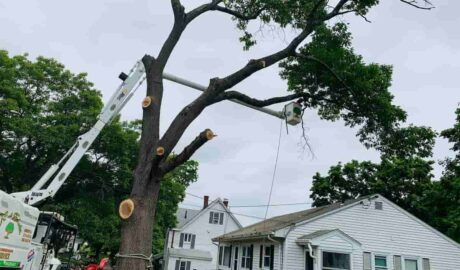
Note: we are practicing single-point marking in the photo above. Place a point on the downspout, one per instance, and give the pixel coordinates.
(310, 251)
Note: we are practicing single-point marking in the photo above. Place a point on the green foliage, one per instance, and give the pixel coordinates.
(44, 108)
(348, 89)
(286, 14)
(404, 181)
(443, 201)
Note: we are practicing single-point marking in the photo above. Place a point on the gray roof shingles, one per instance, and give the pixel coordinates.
(184, 215)
(270, 225)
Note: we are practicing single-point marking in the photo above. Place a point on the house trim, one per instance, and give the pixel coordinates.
(216, 201)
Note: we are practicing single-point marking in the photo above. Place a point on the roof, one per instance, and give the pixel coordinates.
(183, 215)
(190, 254)
(192, 214)
(269, 226)
(310, 238)
(313, 235)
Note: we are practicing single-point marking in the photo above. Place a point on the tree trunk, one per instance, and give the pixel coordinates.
(137, 231)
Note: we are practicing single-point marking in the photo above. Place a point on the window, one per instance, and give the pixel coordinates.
(216, 218)
(410, 264)
(378, 205)
(336, 261)
(380, 262)
(183, 265)
(267, 256)
(187, 237)
(246, 257)
(235, 259)
(225, 254)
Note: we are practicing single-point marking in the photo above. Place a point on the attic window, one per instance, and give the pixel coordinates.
(378, 205)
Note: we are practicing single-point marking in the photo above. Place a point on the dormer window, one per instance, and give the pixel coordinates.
(216, 218)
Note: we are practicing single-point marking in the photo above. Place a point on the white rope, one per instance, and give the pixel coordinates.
(139, 257)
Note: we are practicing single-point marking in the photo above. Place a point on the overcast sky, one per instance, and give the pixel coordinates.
(106, 37)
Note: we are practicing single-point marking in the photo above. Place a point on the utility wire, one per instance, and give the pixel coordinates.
(270, 205)
(274, 169)
(193, 195)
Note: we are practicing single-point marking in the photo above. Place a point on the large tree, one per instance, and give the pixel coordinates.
(319, 64)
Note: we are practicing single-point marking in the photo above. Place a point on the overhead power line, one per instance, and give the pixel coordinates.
(193, 195)
(265, 205)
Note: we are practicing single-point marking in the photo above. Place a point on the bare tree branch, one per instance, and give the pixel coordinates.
(191, 15)
(181, 20)
(256, 65)
(188, 151)
(218, 86)
(414, 3)
(237, 14)
(235, 95)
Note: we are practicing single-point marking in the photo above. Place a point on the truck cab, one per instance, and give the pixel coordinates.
(30, 239)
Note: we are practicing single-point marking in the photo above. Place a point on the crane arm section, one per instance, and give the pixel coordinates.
(66, 165)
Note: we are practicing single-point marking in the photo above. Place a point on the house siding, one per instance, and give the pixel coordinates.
(204, 232)
(387, 232)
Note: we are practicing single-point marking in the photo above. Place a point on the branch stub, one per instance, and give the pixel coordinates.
(210, 134)
(146, 102)
(160, 151)
(126, 209)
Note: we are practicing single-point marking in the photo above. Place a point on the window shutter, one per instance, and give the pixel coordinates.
(177, 264)
(221, 218)
(221, 254)
(367, 261)
(251, 255)
(260, 256)
(187, 267)
(426, 264)
(230, 256)
(397, 263)
(210, 217)
(192, 244)
(272, 256)
(181, 240)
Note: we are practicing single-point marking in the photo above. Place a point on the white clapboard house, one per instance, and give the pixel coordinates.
(370, 233)
(189, 246)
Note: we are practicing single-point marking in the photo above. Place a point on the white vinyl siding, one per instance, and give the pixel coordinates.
(203, 232)
(387, 231)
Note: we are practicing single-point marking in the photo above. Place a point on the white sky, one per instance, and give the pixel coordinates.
(103, 38)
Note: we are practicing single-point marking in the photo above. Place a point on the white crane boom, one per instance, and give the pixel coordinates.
(122, 95)
(118, 100)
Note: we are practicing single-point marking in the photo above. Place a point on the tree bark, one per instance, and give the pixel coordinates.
(137, 231)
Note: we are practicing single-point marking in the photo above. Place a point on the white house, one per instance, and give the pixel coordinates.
(370, 233)
(190, 246)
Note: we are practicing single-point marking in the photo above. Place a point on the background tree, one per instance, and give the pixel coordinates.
(44, 108)
(442, 203)
(323, 71)
(404, 176)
